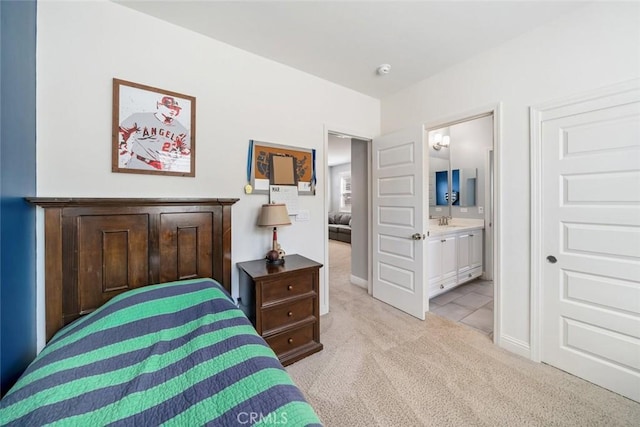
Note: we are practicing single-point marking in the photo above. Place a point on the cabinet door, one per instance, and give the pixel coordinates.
(475, 249)
(464, 245)
(443, 263)
(449, 257)
(434, 250)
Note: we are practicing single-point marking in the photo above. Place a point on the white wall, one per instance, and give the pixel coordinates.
(595, 46)
(360, 211)
(82, 46)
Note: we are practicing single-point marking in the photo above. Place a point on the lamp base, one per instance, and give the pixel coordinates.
(273, 258)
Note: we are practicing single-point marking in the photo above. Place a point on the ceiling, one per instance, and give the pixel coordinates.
(345, 41)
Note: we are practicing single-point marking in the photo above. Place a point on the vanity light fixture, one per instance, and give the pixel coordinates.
(440, 141)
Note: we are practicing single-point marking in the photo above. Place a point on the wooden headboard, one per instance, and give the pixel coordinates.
(97, 248)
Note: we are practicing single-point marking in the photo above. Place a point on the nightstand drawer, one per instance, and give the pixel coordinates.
(287, 314)
(291, 339)
(292, 285)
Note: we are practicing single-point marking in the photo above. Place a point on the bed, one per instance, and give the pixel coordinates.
(141, 327)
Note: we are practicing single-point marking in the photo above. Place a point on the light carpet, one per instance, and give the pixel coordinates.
(382, 367)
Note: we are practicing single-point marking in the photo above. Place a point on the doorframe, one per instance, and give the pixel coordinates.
(494, 110)
(357, 134)
(536, 114)
(489, 205)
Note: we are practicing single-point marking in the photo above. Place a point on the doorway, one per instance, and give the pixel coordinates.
(400, 207)
(388, 271)
(347, 202)
(461, 289)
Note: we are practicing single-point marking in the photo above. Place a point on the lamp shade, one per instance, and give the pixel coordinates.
(274, 215)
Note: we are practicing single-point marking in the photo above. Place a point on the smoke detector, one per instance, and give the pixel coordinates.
(383, 69)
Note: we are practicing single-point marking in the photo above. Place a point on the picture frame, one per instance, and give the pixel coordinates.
(153, 130)
(262, 155)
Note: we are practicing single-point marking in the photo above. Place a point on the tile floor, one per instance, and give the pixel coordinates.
(470, 304)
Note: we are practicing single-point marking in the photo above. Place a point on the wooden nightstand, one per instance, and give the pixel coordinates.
(282, 302)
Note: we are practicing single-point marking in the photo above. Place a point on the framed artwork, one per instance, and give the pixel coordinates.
(153, 130)
(273, 163)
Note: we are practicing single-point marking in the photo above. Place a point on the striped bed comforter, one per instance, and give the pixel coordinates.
(179, 353)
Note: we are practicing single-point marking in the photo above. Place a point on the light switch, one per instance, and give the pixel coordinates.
(480, 209)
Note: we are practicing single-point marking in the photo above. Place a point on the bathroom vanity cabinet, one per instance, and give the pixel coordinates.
(455, 257)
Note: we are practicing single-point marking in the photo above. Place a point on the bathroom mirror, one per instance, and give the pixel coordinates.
(449, 186)
(462, 190)
(459, 165)
(464, 186)
(438, 186)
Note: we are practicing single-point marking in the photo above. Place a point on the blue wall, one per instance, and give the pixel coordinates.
(17, 180)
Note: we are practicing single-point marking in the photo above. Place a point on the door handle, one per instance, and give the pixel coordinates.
(417, 236)
(552, 259)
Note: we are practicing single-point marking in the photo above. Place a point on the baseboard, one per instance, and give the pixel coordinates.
(515, 346)
(358, 281)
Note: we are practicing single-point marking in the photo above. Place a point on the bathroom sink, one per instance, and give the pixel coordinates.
(457, 225)
(452, 226)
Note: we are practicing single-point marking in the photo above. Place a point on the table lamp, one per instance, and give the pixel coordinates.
(274, 215)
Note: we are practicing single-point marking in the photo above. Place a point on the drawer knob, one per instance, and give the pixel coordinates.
(290, 313)
(290, 287)
(290, 340)
(441, 286)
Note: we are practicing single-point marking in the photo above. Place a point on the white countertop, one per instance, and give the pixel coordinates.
(455, 225)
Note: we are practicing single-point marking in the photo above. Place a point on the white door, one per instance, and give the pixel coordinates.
(590, 228)
(399, 221)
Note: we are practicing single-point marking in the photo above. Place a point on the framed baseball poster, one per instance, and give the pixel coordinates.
(153, 130)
